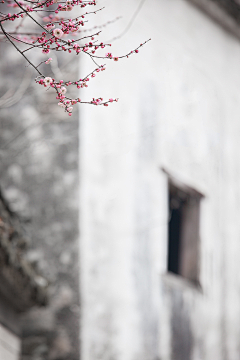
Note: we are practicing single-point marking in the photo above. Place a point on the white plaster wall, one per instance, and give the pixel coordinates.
(178, 109)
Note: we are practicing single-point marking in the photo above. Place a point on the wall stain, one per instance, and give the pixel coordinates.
(181, 333)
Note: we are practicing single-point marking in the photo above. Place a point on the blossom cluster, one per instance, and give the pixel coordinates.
(56, 31)
(64, 101)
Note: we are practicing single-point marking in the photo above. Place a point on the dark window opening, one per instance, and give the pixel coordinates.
(174, 239)
(183, 231)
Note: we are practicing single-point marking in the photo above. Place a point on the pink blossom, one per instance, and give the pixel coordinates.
(75, 29)
(48, 80)
(68, 103)
(45, 51)
(63, 90)
(50, 26)
(69, 6)
(58, 33)
(48, 61)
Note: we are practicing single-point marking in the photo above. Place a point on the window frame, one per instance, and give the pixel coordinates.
(189, 236)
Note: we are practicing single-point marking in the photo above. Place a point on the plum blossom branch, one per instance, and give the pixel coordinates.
(55, 33)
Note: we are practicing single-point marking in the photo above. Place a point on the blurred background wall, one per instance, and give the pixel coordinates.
(39, 180)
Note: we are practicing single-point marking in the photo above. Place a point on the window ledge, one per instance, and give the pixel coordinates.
(177, 281)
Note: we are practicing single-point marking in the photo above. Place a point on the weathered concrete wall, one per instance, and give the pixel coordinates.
(178, 109)
(39, 178)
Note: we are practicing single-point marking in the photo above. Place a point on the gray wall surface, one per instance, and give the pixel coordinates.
(178, 110)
